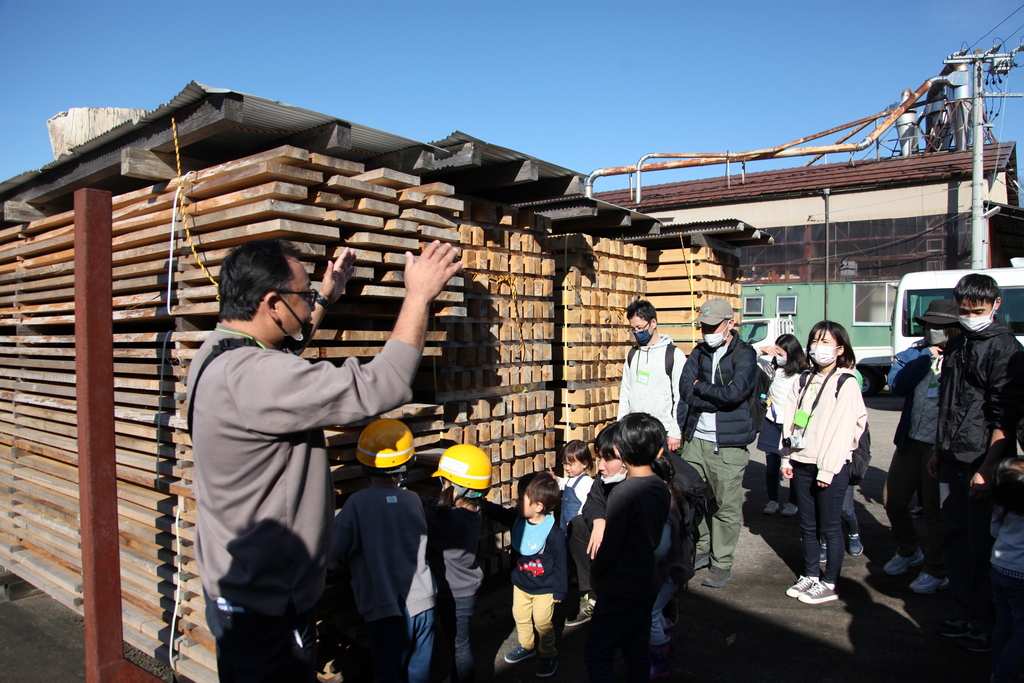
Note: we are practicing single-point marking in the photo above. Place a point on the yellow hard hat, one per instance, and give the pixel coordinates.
(385, 444)
(465, 465)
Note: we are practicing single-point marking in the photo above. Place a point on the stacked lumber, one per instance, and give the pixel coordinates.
(163, 310)
(596, 279)
(681, 280)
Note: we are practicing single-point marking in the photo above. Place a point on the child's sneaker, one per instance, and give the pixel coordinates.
(855, 546)
(518, 654)
(586, 612)
(547, 667)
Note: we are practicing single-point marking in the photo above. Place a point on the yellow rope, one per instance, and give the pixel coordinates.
(689, 268)
(181, 211)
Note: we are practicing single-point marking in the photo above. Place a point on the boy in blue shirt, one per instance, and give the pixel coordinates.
(539, 574)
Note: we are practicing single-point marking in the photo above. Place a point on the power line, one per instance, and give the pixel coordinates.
(997, 26)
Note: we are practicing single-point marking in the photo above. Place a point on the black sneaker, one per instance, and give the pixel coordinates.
(547, 667)
(975, 641)
(953, 628)
(518, 654)
(585, 614)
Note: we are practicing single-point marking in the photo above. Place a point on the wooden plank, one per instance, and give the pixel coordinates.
(272, 190)
(387, 177)
(261, 210)
(250, 175)
(329, 165)
(375, 240)
(427, 218)
(353, 187)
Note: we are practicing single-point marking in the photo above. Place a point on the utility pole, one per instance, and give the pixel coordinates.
(998, 64)
(826, 191)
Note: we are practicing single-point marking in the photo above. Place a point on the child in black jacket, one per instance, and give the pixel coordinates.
(539, 575)
(625, 571)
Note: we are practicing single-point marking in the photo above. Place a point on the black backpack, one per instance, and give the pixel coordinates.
(693, 509)
(861, 459)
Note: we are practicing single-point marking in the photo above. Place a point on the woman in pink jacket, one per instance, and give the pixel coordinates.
(825, 416)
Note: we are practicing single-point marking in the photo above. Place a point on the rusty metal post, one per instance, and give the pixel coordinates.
(97, 478)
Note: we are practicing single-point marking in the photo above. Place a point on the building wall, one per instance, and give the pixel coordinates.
(811, 309)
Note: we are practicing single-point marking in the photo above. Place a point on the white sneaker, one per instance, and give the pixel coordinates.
(818, 593)
(788, 510)
(802, 585)
(899, 564)
(772, 507)
(926, 584)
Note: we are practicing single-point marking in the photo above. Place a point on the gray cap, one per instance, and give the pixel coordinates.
(714, 312)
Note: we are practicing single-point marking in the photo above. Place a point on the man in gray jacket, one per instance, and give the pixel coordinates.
(650, 380)
(262, 482)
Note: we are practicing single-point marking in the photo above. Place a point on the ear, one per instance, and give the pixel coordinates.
(660, 451)
(997, 303)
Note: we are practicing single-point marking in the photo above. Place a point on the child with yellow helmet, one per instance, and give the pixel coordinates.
(380, 534)
(453, 524)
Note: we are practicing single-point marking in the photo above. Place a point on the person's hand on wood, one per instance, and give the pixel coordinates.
(427, 275)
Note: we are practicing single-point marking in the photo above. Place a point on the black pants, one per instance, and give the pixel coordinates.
(253, 648)
(619, 624)
(579, 537)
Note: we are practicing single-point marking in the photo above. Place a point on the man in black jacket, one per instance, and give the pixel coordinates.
(717, 382)
(980, 394)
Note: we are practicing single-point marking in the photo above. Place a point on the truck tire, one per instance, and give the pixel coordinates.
(873, 381)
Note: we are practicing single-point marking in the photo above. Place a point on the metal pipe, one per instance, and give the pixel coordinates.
(97, 469)
(695, 159)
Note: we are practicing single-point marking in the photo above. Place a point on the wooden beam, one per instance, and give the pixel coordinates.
(22, 212)
(714, 244)
(604, 219)
(562, 186)
(559, 213)
(149, 165)
(333, 137)
(414, 160)
(466, 155)
(490, 177)
(212, 115)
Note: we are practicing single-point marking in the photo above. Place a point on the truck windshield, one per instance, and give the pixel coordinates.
(917, 300)
(753, 332)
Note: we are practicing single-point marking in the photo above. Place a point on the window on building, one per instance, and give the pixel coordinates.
(786, 305)
(753, 306)
(873, 303)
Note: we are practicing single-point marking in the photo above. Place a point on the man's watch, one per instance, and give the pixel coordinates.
(322, 300)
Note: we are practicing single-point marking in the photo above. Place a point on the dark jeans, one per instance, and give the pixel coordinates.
(821, 511)
(579, 537)
(1008, 634)
(908, 472)
(619, 623)
(401, 648)
(773, 463)
(966, 546)
(259, 647)
(455, 615)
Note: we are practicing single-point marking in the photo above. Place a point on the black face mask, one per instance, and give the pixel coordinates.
(291, 343)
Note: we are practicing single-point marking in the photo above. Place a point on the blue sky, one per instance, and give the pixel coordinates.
(582, 85)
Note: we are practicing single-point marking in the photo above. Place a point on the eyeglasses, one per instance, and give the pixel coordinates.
(308, 295)
(638, 330)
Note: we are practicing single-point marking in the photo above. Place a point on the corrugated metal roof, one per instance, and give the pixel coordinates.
(867, 174)
(258, 113)
(493, 154)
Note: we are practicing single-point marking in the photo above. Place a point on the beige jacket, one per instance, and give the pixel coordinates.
(834, 429)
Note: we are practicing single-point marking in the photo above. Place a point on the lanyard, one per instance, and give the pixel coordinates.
(817, 398)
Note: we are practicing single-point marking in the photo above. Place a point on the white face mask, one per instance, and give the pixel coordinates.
(979, 323)
(615, 478)
(715, 339)
(823, 355)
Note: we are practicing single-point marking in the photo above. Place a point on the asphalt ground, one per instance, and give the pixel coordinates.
(878, 630)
